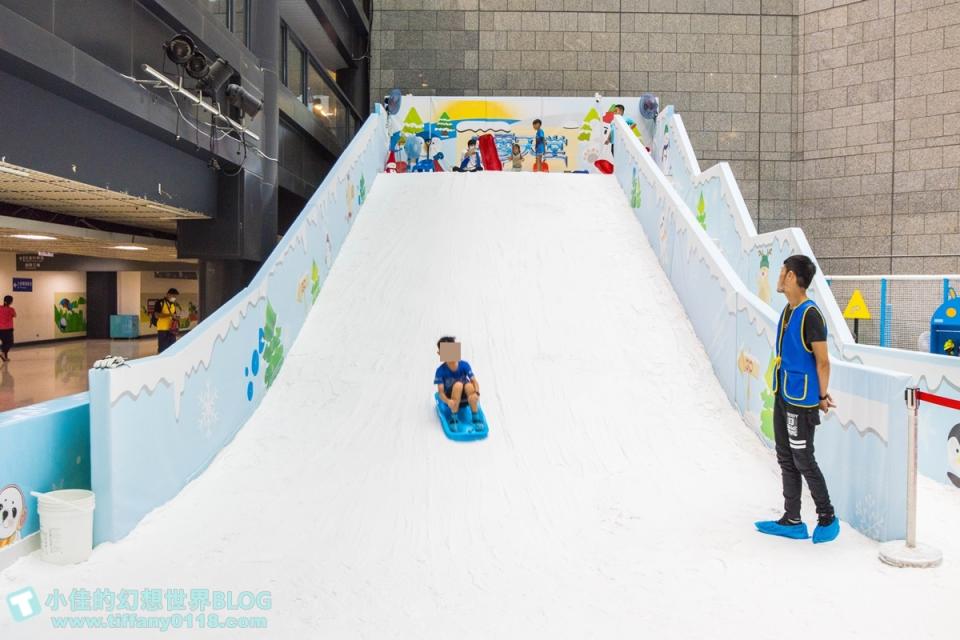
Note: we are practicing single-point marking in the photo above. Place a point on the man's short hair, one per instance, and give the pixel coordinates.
(803, 268)
(619, 106)
(172, 292)
(445, 339)
(537, 121)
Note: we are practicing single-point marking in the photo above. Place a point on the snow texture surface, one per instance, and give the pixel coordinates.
(615, 496)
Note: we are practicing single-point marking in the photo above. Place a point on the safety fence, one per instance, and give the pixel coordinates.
(909, 552)
(900, 306)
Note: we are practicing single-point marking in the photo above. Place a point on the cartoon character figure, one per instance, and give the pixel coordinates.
(65, 305)
(13, 514)
(301, 288)
(391, 166)
(763, 282)
(953, 455)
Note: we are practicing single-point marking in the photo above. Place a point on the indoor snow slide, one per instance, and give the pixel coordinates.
(614, 498)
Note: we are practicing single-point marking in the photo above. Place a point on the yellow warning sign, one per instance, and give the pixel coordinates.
(857, 307)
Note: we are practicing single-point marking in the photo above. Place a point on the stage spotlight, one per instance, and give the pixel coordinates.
(197, 67)
(179, 48)
(240, 97)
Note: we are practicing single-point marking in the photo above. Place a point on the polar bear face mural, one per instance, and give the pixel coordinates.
(13, 514)
(953, 455)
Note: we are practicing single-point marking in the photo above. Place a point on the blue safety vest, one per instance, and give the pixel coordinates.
(796, 378)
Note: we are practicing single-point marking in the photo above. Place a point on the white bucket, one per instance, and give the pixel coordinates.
(66, 525)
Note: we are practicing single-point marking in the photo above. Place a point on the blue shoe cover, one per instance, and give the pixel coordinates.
(827, 533)
(774, 528)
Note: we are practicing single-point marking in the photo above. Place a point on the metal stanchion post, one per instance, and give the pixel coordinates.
(908, 553)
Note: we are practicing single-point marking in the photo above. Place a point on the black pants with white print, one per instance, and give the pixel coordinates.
(793, 428)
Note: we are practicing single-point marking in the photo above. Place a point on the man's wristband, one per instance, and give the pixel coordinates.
(825, 397)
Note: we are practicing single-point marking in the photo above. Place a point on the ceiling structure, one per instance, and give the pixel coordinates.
(82, 242)
(43, 191)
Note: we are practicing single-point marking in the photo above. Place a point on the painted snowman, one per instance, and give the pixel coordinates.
(763, 282)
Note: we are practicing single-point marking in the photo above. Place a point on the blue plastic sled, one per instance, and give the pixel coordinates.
(465, 430)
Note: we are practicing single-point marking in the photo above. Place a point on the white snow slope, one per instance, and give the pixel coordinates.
(614, 497)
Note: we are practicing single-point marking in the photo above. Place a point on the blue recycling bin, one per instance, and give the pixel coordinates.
(124, 326)
(944, 327)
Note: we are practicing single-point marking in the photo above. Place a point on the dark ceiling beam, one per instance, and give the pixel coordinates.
(326, 23)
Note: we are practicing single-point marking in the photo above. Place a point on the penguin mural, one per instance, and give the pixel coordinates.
(763, 282)
(664, 151)
(953, 455)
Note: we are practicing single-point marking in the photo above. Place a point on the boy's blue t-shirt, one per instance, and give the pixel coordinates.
(447, 378)
(541, 141)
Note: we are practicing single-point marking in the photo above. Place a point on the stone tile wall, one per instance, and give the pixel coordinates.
(840, 116)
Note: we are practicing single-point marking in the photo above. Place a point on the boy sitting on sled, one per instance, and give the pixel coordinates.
(455, 381)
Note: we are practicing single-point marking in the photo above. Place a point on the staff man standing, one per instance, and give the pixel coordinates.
(801, 380)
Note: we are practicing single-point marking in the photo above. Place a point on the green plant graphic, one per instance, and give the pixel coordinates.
(363, 189)
(68, 315)
(315, 279)
(702, 212)
(767, 396)
(635, 198)
(273, 349)
(585, 129)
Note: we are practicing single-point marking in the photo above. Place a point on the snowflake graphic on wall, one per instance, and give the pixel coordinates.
(208, 410)
(869, 520)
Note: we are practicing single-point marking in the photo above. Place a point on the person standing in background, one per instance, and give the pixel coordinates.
(7, 314)
(539, 145)
(516, 157)
(167, 312)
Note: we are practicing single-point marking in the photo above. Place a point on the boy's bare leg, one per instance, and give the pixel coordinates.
(455, 394)
(472, 396)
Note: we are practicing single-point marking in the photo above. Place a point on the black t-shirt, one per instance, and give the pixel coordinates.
(814, 328)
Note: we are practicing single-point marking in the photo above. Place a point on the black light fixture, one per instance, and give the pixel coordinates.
(243, 99)
(219, 74)
(197, 67)
(180, 48)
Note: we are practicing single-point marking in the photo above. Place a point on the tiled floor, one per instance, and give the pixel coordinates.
(36, 374)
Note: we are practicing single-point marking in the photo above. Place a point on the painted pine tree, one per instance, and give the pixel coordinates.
(586, 129)
(444, 126)
(363, 190)
(702, 212)
(413, 124)
(273, 351)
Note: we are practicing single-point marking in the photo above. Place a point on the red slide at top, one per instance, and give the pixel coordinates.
(488, 153)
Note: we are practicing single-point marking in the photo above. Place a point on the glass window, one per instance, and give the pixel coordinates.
(294, 73)
(240, 19)
(325, 105)
(221, 10)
